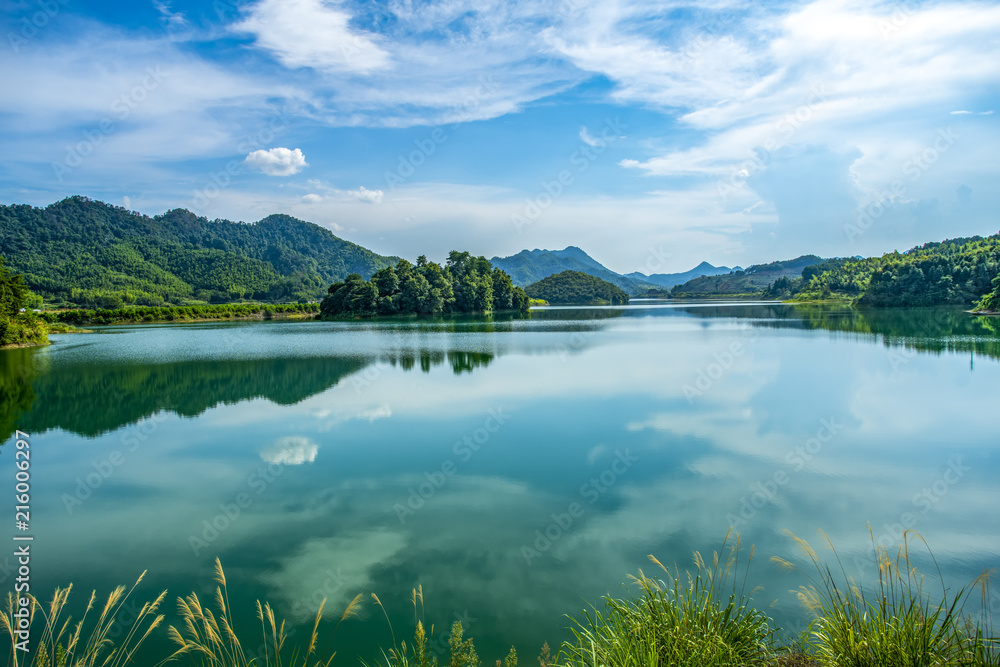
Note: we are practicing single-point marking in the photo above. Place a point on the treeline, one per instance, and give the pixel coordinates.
(747, 283)
(466, 284)
(91, 254)
(17, 328)
(146, 314)
(990, 303)
(576, 287)
(959, 271)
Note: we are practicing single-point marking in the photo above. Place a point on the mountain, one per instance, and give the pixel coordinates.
(577, 288)
(671, 279)
(752, 280)
(94, 254)
(530, 266)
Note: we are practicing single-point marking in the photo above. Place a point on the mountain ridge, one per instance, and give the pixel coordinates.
(92, 253)
(529, 266)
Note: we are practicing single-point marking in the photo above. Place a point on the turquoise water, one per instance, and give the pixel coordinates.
(515, 469)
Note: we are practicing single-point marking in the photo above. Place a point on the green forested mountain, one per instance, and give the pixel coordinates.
(530, 266)
(97, 255)
(466, 284)
(957, 271)
(576, 287)
(748, 282)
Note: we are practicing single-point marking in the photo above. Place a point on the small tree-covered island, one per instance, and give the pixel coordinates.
(465, 284)
(577, 288)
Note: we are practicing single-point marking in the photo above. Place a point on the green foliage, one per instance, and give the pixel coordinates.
(17, 328)
(529, 266)
(991, 302)
(576, 287)
(896, 624)
(99, 256)
(749, 282)
(465, 284)
(146, 314)
(956, 271)
(701, 619)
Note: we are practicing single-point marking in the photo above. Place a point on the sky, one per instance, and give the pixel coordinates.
(653, 134)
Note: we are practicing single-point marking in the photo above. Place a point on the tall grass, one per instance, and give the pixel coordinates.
(209, 638)
(61, 644)
(701, 618)
(462, 650)
(898, 622)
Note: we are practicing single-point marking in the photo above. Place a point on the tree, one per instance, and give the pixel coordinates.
(13, 292)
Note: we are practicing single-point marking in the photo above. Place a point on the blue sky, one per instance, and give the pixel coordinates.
(653, 134)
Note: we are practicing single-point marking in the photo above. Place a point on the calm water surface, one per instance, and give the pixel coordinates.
(517, 470)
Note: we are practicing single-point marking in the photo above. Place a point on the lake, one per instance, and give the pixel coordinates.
(516, 469)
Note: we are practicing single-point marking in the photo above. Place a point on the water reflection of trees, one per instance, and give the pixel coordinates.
(93, 399)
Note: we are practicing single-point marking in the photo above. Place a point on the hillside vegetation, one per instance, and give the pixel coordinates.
(466, 284)
(17, 328)
(748, 282)
(577, 288)
(529, 266)
(96, 255)
(957, 271)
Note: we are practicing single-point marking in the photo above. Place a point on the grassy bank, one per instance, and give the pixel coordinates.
(23, 330)
(701, 617)
(196, 313)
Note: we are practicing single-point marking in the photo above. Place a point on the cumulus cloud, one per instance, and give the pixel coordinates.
(366, 195)
(291, 451)
(277, 161)
(312, 198)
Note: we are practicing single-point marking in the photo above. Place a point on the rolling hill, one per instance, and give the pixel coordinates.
(577, 288)
(93, 254)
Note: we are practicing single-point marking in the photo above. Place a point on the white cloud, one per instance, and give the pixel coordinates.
(961, 112)
(364, 194)
(171, 18)
(312, 33)
(588, 138)
(312, 198)
(277, 161)
(291, 451)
